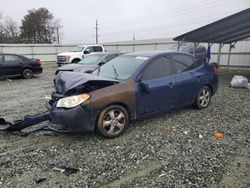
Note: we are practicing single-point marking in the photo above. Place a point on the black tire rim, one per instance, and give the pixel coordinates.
(114, 122)
(27, 73)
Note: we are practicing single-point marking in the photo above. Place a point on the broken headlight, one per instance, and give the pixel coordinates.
(73, 101)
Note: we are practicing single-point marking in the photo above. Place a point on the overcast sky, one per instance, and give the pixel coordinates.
(120, 19)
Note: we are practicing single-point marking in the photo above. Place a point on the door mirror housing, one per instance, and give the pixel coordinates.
(102, 63)
(144, 87)
(86, 51)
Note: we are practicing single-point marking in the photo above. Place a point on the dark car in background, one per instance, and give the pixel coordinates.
(17, 65)
(130, 87)
(90, 62)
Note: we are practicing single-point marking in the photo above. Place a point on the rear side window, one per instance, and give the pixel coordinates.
(98, 49)
(1, 58)
(10, 58)
(160, 67)
(182, 63)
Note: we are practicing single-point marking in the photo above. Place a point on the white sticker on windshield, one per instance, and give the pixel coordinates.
(142, 57)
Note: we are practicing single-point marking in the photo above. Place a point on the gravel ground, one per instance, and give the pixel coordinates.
(176, 149)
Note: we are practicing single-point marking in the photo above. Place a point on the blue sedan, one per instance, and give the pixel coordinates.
(129, 87)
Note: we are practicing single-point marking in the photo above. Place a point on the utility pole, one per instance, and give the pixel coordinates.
(57, 34)
(133, 42)
(96, 31)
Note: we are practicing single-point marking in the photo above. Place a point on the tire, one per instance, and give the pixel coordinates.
(113, 121)
(27, 73)
(203, 98)
(75, 61)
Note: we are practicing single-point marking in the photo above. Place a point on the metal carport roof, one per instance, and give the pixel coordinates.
(228, 30)
(225, 31)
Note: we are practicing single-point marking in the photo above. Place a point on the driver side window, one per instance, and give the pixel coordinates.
(90, 49)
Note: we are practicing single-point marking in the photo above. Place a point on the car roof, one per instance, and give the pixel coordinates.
(85, 45)
(108, 53)
(155, 53)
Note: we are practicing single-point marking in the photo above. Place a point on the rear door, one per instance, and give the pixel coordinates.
(186, 83)
(158, 78)
(12, 65)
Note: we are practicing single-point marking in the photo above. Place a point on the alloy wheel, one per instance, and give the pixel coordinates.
(204, 97)
(114, 122)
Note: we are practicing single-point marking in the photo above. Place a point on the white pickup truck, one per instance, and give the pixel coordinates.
(78, 53)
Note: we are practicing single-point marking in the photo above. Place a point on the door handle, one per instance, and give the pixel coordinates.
(198, 78)
(171, 84)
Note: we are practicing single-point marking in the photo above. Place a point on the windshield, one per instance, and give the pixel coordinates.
(120, 68)
(78, 49)
(91, 59)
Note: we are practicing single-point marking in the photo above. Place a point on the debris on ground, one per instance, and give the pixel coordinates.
(239, 82)
(40, 179)
(219, 135)
(67, 171)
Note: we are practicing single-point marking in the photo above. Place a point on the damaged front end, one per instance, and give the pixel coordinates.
(70, 107)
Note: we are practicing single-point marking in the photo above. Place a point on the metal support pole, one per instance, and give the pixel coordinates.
(208, 46)
(229, 55)
(178, 47)
(195, 46)
(179, 44)
(155, 47)
(219, 52)
(231, 46)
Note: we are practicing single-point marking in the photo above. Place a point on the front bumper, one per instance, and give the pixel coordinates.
(76, 120)
(62, 63)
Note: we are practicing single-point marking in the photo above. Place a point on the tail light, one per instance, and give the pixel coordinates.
(38, 62)
(215, 67)
(216, 70)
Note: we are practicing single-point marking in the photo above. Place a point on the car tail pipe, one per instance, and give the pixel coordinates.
(27, 121)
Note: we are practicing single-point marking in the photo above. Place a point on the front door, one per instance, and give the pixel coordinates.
(154, 89)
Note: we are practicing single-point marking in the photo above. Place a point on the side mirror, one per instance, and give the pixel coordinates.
(144, 87)
(86, 51)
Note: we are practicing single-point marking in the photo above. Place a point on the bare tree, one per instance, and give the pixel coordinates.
(9, 30)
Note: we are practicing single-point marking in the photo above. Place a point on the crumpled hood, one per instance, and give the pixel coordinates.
(81, 67)
(65, 81)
